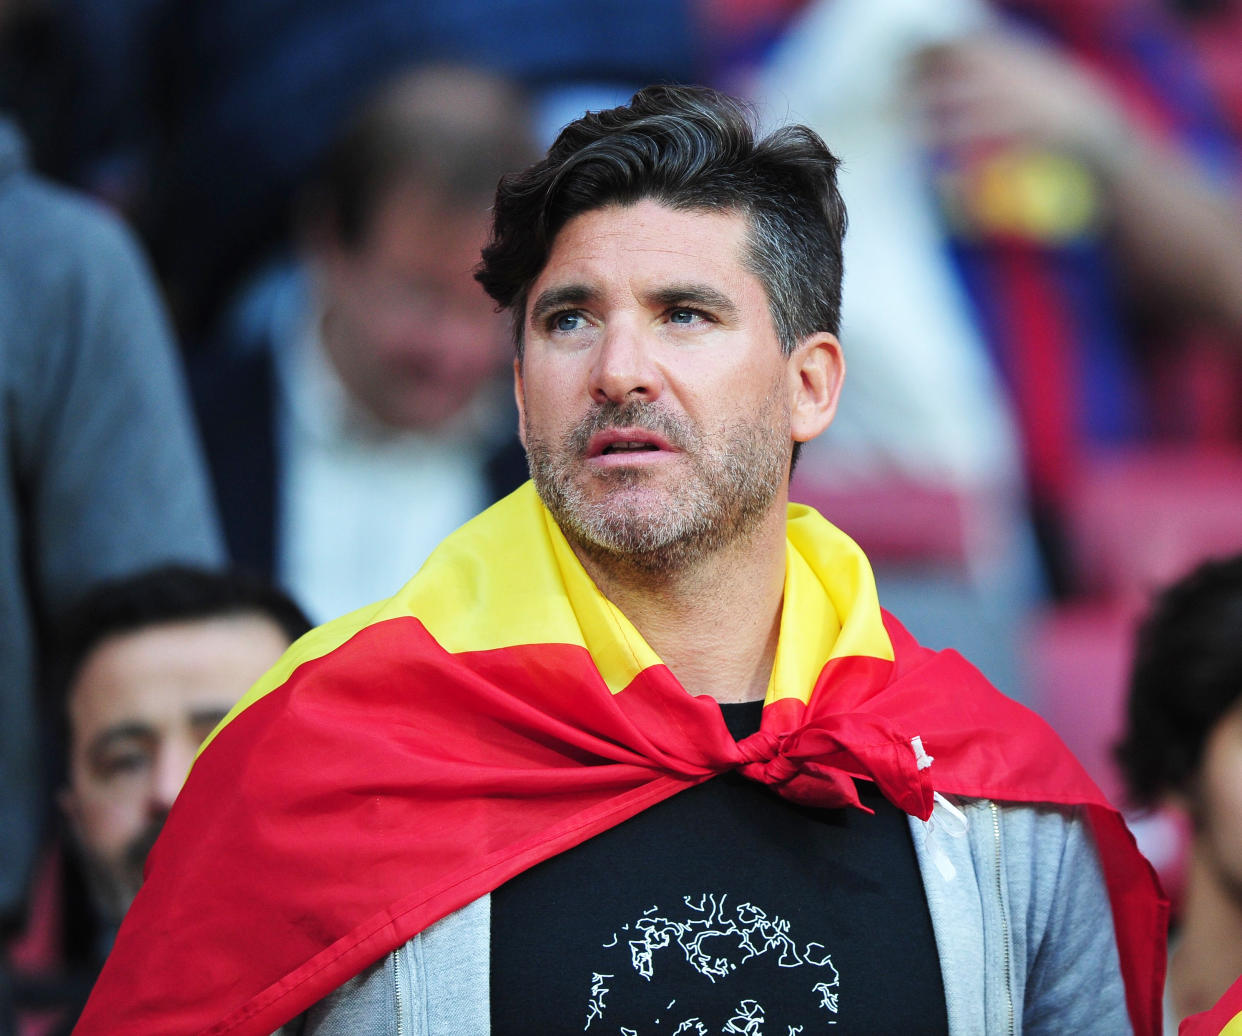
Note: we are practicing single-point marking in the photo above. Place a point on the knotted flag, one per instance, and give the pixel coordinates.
(408, 758)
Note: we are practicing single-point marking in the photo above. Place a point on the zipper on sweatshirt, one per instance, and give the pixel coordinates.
(1000, 899)
(396, 989)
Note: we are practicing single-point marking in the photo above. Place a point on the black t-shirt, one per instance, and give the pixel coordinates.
(725, 909)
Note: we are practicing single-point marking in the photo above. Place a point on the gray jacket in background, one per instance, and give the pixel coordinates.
(100, 468)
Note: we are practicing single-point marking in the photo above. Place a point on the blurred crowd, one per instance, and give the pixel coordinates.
(248, 377)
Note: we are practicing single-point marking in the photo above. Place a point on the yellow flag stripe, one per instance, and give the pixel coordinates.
(509, 578)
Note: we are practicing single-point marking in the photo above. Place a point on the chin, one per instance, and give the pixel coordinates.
(631, 498)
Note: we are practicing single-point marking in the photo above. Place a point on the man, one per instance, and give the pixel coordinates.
(1183, 751)
(149, 665)
(145, 667)
(595, 763)
(355, 412)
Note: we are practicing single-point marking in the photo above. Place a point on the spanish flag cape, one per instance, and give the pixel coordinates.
(406, 759)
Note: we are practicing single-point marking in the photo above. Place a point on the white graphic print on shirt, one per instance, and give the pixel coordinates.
(719, 943)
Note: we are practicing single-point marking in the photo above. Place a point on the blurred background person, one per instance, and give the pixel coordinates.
(146, 667)
(1182, 752)
(1040, 177)
(143, 670)
(357, 407)
(199, 118)
(101, 472)
(1090, 183)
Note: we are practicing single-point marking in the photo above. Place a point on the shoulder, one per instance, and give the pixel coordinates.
(36, 214)
(75, 273)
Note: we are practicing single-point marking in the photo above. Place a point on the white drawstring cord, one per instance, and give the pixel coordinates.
(952, 822)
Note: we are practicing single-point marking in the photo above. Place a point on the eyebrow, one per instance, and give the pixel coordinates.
(559, 297)
(688, 294)
(134, 730)
(694, 295)
(120, 732)
(203, 717)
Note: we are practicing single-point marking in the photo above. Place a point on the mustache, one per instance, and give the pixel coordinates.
(137, 850)
(677, 431)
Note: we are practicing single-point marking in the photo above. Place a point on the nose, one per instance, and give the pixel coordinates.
(172, 763)
(624, 368)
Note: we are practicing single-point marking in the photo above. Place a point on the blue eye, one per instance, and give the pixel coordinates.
(566, 321)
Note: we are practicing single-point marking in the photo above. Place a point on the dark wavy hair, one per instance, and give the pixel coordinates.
(162, 594)
(1187, 673)
(687, 147)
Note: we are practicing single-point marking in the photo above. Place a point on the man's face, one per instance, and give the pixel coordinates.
(138, 709)
(409, 331)
(654, 397)
(1216, 804)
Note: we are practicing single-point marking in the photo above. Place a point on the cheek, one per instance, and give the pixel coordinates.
(394, 331)
(349, 306)
(474, 349)
(550, 401)
(109, 821)
(1221, 796)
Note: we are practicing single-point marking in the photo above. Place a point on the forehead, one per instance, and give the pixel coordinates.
(414, 227)
(161, 673)
(650, 241)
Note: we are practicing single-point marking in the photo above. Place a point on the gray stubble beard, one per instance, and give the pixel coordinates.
(720, 503)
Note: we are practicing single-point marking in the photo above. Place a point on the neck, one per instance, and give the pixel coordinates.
(715, 624)
(1208, 953)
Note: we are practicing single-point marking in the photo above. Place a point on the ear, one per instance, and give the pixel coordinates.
(816, 371)
(519, 394)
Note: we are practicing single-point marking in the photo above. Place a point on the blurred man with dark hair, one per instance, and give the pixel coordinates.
(392, 226)
(355, 413)
(1183, 750)
(147, 666)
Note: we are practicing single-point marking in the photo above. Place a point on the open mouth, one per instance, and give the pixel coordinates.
(618, 444)
(629, 447)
